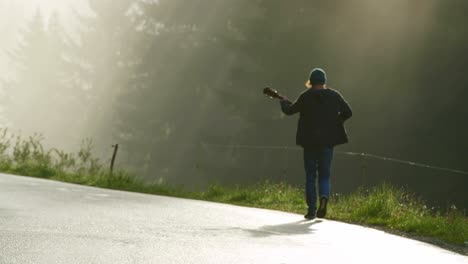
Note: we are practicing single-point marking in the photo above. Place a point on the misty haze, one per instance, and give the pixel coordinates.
(177, 84)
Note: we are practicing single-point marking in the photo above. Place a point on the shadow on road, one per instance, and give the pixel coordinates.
(294, 228)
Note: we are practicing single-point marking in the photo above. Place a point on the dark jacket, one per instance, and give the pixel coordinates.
(322, 116)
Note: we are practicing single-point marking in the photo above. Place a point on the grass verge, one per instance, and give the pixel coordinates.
(385, 206)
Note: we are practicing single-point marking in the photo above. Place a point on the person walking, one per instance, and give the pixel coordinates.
(323, 112)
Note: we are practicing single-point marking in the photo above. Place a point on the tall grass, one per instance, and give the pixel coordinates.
(394, 208)
(27, 156)
(384, 206)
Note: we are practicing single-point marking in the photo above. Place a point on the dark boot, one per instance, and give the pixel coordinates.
(310, 215)
(322, 211)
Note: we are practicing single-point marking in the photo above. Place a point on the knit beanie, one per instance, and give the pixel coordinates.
(318, 76)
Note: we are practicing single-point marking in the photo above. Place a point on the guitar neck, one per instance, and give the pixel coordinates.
(279, 96)
(272, 93)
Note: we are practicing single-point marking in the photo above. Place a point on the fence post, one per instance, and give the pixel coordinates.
(363, 169)
(285, 164)
(116, 148)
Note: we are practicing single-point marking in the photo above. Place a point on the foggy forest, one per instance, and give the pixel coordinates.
(177, 84)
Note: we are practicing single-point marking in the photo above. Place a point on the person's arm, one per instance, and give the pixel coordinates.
(344, 108)
(290, 108)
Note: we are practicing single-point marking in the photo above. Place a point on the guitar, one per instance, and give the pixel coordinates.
(272, 93)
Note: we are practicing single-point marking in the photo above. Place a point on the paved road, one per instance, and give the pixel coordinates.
(50, 222)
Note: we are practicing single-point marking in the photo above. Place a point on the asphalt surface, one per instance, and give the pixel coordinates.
(51, 222)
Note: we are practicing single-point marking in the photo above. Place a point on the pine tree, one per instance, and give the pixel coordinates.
(187, 67)
(29, 59)
(41, 96)
(104, 63)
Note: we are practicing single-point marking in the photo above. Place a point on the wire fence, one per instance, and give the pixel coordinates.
(362, 155)
(196, 166)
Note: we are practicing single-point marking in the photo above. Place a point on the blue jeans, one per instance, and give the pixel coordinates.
(317, 159)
